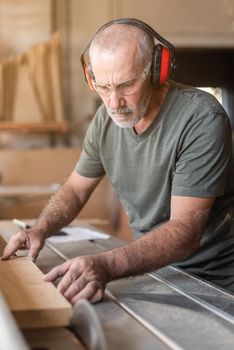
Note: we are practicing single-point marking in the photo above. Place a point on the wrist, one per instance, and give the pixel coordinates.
(115, 264)
(42, 228)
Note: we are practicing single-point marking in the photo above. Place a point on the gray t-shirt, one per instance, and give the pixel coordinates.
(186, 151)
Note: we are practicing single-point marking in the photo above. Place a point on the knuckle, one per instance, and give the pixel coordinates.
(18, 237)
(82, 262)
(56, 272)
(101, 293)
(38, 244)
(97, 296)
(92, 287)
(72, 276)
(53, 270)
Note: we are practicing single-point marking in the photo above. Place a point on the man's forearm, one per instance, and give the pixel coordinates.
(61, 209)
(170, 242)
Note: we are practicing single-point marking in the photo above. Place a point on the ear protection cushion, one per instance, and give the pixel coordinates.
(165, 65)
(156, 64)
(160, 64)
(89, 76)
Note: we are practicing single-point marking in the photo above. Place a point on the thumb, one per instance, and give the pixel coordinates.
(57, 272)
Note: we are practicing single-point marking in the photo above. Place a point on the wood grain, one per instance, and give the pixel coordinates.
(34, 303)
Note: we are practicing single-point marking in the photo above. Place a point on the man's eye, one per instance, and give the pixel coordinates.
(128, 83)
(103, 88)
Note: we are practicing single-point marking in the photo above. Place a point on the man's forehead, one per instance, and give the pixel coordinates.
(124, 56)
(124, 49)
(124, 64)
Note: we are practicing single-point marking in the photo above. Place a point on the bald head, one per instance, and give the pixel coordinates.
(122, 37)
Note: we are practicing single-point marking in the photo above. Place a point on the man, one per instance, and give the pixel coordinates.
(166, 148)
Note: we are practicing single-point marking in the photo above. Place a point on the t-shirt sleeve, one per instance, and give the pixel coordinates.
(204, 158)
(90, 164)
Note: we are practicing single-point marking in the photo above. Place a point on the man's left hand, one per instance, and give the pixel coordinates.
(84, 277)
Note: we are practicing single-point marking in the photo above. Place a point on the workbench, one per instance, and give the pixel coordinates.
(166, 309)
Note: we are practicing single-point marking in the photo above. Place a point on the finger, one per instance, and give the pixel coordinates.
(14, 244)
(56, 272)
(97, 296)
(75, 287)
(34, 250)
(69, 278)
(92, 292)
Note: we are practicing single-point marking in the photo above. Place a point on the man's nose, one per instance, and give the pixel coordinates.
(115, 100)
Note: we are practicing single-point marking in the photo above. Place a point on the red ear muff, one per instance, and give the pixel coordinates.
(88, 75)
(165, 65)
(161, 63)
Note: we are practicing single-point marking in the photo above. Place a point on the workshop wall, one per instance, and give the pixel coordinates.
(187, 24)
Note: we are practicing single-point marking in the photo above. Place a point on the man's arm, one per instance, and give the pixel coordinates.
(86, 277)
(61, 209)
(66, 204)
(170, 242)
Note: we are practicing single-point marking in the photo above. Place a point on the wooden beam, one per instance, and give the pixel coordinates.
(34, 303)
(56, 127)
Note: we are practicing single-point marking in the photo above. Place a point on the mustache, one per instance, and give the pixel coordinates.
(120, 110)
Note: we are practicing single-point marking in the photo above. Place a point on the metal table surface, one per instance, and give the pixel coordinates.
(167, 309)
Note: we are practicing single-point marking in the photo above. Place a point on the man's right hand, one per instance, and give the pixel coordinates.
(31, 239)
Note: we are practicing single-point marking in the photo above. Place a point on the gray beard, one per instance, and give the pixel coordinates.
(130, 123)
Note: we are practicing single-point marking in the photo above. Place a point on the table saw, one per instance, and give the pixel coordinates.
(166, 309)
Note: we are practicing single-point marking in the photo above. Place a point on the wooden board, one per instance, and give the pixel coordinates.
(34, 303)
(53, 127)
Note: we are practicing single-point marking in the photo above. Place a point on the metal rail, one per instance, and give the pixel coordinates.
(206, 305)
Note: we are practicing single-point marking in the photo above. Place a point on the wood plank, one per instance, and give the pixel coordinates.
(34, 303)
